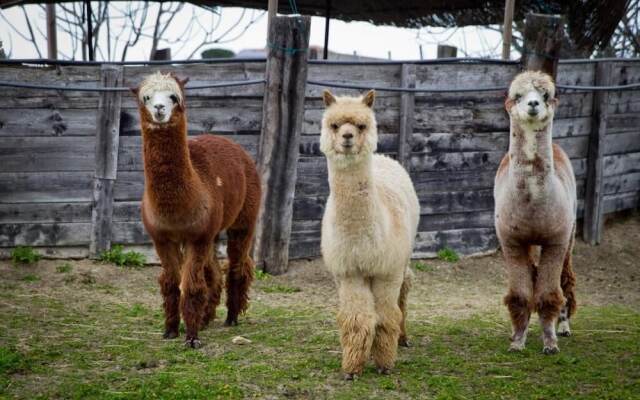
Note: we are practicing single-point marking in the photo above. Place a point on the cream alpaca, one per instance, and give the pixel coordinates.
(535, 195)
(368, 230)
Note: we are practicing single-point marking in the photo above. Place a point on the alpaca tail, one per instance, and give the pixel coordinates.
(402, 303)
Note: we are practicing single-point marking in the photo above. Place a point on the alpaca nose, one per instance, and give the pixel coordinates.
(347, 135)
(534, 103)
(159, 107)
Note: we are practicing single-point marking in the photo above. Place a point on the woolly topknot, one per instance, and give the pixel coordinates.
(528, 80)
(160, 82)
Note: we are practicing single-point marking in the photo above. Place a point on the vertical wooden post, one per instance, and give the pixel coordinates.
(52, 36)
(327, 19)
(107, 142)
(282, 115)
(542, 42)
(593, 204)
(407, 109)
(446, 51)
(506, 29)
(272, 11)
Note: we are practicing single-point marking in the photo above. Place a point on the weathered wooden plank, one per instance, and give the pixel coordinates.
(131, 232)
(463, 220)
(129, 186)
(463, 241)
(44, 234)
(576, 74)
(283, 112)
(462, 161)
(621, 164)
(35, 154)
(454, 201)
(407, 108)
(65, 187)
(621, 201)
(578, 126)
(621, 183)
(56, 122)
(619, 123)
(365, 75)
(596, 168)
(45, 212)
(624, 102)
(575, 147)
(126, 211)
(617, 143)
(444, 76)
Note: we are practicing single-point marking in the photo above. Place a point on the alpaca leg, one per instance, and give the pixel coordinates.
(403, 340)
(171, 258)
(194, 289)
(213, 277)
(240, 274)
(548, 294)
(386, 292)
(356, 322)
(567, 282)
(519, 299)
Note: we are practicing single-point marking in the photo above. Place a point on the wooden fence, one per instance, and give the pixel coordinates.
(53, 171)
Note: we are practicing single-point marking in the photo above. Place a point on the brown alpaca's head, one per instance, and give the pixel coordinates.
(532, 99)
(160, 97)
(349, 131)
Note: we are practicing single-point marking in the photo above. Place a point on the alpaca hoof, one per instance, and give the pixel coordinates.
(404, 342)
(566, 333)
(193, 343)
(384, 371)
(170, 334)
(516, 347)
(231, 322)
(564, 329)
(548, 350)
(350, 377)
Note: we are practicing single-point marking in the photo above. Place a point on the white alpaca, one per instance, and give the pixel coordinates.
(368, 231)
(535, 194)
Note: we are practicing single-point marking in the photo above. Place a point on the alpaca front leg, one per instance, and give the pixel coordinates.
(519, 299)
(548, 294)
(567, 282)
(403, 340)
(171, 258)
(194, 291)
(356, 321)
(389, 317)
(240, 274)
(213, 277)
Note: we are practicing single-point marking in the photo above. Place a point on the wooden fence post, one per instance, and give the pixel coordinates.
(407, 110)
(446, 51)
(542, 42)
(107, 141)
(593, 203)
(282, 116)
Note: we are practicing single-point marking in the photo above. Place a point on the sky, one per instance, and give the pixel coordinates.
(363, 38)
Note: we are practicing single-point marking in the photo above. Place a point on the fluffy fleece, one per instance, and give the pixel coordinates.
(193, 190)
(535, 200)
(368, 231)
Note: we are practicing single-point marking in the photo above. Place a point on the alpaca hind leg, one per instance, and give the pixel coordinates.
(548, 294)
(403, 340)
(567, 282)
(240, 274)
(171, 259)
(213, 277)
(386, 292)
(519, 299)
(356, 322)
(194, 290)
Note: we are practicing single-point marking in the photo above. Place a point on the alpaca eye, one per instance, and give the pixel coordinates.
(174, 98)
(145, 98)
(362, 127)
(546, 97)
(518, 97)
(334, 126)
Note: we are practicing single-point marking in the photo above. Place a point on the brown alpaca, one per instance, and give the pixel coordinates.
(535, 194)
(193, 190)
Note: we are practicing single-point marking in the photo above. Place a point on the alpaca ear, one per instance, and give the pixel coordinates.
(135, 91)
(508, 103)
(554, 102)
(328, 98)
(183, 82)
(369, 98)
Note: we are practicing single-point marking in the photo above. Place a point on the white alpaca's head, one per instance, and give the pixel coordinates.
(532, 99)
(160, 94)
(349, 129)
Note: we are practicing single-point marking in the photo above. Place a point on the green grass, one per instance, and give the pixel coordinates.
(279, 288)
(24, 255)
(423, 267)
(64, 268)
(448, 255)
(261, 275)
(116, 255)
(31, 278)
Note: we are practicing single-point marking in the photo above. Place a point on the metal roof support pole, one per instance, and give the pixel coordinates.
(327, 17)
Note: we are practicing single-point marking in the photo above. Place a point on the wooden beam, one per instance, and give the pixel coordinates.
(283, 114)
(89, 13)
(542, 42)
(272, 11)
(506, 29)
(107, 144)
(446, 51)
(593, 206)
(407, 110)
(52, 36)
(327, 18)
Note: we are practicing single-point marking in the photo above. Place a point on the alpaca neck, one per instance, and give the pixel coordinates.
(531, 160)
(168, 172)
(353, 191)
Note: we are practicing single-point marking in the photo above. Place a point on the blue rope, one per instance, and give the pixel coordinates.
(298, 21)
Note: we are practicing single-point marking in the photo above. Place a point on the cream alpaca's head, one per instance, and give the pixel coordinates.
(349, 130)
(160, 95)
(532, 99)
